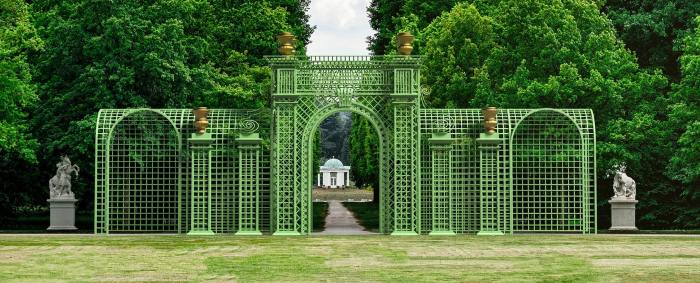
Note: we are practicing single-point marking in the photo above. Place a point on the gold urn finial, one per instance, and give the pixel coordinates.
(200, 119)
(490, 119)
(404, 41)
(285, 42)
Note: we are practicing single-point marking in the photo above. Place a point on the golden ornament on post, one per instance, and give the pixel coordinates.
(200, 119)
(285, 42)
(404, 40)
(490, 119)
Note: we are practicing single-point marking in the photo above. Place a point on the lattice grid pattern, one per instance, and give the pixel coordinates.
(531, 210)
(441, 200)
(249, 188)
(144, 163)
(550, 191)
(306, 90)
(147, 126)
(538, 175)
(200, 210)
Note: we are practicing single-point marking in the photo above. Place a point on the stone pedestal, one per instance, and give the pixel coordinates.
(623, 214)
(62, 214)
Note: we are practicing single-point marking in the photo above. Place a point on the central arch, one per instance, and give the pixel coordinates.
(386, 91)
(384, 168)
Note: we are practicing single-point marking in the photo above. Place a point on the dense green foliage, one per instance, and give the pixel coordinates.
(119, 54)
(654, 29)
(364, 154)
(18, 41)
(566, 53)
(685, 115)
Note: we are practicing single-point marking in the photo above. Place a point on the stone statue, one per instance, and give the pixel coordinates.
(59, 185)
(623, 185)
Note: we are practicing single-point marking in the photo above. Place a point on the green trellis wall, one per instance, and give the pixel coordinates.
(440, 174)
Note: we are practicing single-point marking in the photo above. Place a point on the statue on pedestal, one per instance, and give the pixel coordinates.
(624, 186)
(623, 202)
(61, 198)
(59, 185)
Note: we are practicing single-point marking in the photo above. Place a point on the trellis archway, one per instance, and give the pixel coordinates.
(549, 173)
(144, 188)
(384, 89)
(385, 203)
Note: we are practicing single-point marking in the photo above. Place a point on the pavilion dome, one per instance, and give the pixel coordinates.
(333, 164)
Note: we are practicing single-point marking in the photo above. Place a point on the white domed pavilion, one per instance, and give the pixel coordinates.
(333, 174)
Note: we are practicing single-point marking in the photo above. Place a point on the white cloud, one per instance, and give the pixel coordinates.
(342, 27)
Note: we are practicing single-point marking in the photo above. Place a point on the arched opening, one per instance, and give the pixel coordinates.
(547, 159)
(144, 180)
(333, 173)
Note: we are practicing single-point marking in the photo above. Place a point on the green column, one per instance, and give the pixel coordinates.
(489, 198)
(406, 148)
(200, 209)
(287, 208)
(441, 197)
(249, 184)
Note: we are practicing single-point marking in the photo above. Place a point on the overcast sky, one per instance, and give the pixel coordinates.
(342, 27)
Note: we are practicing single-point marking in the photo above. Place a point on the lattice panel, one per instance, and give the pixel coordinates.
(531, 210)
(464, 125)
(144, 186)
(201, 195)
(224, 171)
(548, 185)
(441, 200)
(249, 187)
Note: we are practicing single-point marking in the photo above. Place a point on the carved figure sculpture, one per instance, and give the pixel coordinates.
(623, 185)
(59, 185)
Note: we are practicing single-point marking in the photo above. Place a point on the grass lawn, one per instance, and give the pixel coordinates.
(525, 258)
(367, 213)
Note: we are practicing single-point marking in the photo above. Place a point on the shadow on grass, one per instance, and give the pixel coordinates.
(39, 222)
(367, 213)
(320, 210)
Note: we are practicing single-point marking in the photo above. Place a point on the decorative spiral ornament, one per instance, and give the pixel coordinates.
(444, 124)
(249, 126)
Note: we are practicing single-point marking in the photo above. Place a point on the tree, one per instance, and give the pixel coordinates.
(654, 29)
(364, 154)
(381, 18)
(156, 53)
(18, 41)
(685, 116)
(562, 54)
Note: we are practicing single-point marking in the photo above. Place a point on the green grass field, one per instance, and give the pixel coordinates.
(525, 258)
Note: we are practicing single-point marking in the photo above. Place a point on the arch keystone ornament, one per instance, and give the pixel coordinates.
(490, 171)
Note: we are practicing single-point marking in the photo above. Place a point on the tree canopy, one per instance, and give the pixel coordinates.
(120, 54)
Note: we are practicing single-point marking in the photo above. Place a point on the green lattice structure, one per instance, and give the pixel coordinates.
(251, 172)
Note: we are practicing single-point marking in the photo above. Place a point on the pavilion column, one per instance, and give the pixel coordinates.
(200, 207)
(249, 151)
(441, 197)
(490, 182)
